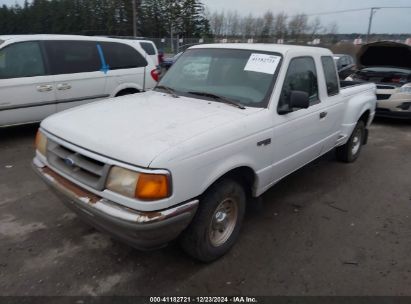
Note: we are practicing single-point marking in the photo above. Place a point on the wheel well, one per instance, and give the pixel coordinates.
(364, 117)
(127, 92)
(244, 175)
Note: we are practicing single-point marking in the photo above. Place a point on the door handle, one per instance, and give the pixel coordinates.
(63, 86)
(45, 88)
(323, 115)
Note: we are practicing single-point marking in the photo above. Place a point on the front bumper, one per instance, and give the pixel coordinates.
(387, 113)
(142, 230)
(393, 105)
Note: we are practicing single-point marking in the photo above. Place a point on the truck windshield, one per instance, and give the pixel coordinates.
(245, 77)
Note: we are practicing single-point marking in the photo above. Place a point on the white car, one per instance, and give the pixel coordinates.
(44, 74)
(183, 160)
(388, 65)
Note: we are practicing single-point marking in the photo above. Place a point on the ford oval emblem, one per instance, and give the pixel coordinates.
(69, 162)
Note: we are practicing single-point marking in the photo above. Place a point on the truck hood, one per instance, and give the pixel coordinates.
(384, 54)
(137, 128)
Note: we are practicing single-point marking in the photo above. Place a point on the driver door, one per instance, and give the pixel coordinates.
(299, 135)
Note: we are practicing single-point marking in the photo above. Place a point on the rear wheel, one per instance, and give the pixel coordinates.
(351, 150)
(216, 225)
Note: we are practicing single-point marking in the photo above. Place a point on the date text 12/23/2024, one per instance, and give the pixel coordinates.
(239, 299)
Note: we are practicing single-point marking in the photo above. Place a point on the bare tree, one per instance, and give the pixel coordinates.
(233, 22)
(217, 23)
(332, 32)
(247, 26)
(298, 26)
(267, 27)
(332, 28)
(315, 27)
(280, 25)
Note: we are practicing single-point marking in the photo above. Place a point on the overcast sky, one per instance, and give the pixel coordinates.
(386, 20)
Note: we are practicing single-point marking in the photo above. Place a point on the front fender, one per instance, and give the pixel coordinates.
(227, 166)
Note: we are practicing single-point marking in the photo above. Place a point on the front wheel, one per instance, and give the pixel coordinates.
(216, 225)
(351, 150)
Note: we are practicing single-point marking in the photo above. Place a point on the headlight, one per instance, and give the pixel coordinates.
(41, 143)
(406, 89)
(143, 186)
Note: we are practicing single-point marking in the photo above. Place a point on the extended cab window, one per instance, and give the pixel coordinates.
(301, 76)
(122, 56)
(22, 59)
(330, 74)
(69, 57)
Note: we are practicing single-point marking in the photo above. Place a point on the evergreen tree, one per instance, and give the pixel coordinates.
(156, 18)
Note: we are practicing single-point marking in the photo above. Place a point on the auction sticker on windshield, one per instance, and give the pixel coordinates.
(262, 63)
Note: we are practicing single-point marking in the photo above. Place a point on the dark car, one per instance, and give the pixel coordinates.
(345, 65)
(168, 62)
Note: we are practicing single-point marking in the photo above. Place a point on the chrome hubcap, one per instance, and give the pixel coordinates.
(223, 222)
(356, 143)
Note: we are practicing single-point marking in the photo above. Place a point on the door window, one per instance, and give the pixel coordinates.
(69, 57)
(301, 76)
(22, 59)
(122, 56)
(330, 75)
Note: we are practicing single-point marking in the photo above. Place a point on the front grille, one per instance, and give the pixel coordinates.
(80, 167)
(383, 96)
(385, 87)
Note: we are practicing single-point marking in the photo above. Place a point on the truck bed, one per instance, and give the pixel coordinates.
(358, 96)
(349, 88)
(346, 83)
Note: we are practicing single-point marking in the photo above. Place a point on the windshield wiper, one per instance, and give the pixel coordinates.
(169, 90)
(218, 98)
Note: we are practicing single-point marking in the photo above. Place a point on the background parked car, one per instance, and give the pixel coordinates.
(44, 74)
(168, 62)
(345, 65)
(388, 64)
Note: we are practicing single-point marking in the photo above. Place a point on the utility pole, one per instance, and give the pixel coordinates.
(171, 37)
(134, 18)
(372, 13)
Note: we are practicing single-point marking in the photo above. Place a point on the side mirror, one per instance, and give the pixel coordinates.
(299, 100)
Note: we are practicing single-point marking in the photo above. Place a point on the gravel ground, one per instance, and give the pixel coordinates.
(328, 229)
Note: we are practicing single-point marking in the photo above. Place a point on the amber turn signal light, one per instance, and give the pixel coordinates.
(41, 143)
(152, 187)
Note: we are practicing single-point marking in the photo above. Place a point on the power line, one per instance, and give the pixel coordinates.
(357, 10)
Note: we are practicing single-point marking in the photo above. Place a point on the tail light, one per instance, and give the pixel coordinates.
(155, 75)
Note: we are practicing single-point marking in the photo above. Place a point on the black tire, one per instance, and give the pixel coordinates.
(197, 240)
(349, 153)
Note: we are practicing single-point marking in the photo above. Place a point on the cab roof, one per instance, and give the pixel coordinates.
(276, 48)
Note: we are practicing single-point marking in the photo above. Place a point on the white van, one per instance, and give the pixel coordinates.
(44, 74)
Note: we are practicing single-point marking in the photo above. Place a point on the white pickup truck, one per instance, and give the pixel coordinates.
(225, 124)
